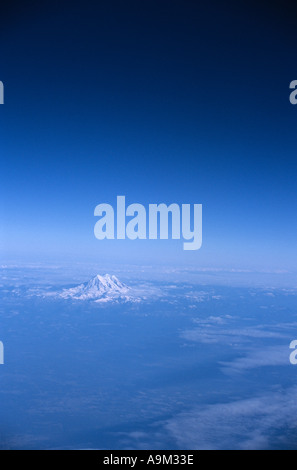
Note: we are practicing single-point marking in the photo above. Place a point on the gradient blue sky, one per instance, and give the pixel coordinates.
(161, 101)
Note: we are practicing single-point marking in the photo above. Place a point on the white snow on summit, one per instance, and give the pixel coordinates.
(100, 289)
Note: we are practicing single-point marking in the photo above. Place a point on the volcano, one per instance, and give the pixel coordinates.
(100, 289)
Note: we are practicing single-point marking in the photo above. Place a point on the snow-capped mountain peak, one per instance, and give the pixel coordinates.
(106, 283)
(99, 288)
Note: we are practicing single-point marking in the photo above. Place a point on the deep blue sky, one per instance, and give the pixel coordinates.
(166, 101)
